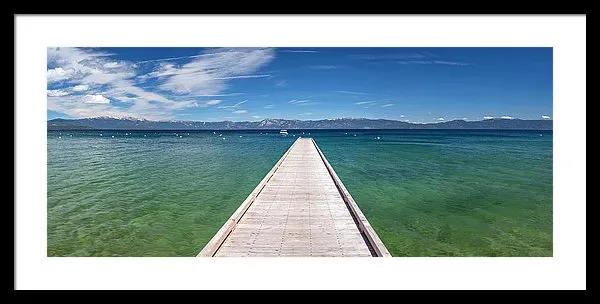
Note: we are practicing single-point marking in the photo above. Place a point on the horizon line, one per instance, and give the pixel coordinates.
(337, 118)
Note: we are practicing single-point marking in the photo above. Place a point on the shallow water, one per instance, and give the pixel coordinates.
(426, 192)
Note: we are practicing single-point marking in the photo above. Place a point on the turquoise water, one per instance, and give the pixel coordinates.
(426, 192)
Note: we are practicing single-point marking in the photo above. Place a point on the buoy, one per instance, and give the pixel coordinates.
(240, 135)
(113, 136)
(378, 137)
(354, 134)
(59, 137)
(180, 136)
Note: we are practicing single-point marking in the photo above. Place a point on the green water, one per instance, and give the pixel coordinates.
(426, 192)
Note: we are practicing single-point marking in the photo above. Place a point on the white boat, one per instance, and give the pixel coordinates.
(283, 132)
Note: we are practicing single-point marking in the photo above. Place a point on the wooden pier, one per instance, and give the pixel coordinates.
(300, 208)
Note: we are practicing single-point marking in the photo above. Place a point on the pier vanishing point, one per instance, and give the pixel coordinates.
(300, 208)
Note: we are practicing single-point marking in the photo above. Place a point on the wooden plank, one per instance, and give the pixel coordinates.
(211, 247)
(363, 223)
(298, 209)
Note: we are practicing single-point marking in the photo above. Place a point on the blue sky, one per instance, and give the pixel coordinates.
(251, 84)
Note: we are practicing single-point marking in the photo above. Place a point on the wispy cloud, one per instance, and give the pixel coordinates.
(269, 106)
(234, 105)
(352, 92)
(324, 67)
(488, 117)
(172, 87)
(388, 105)
(242, 77)
(506, 117)
(56, 93)
(169, 59)
(281, 83)
(256, 116)
(298, 102)
(208, 74)
(454, 63)
(298, 51)
(215, 95)
(397, 56)
(240, 111)
(545, 117)
(80, 88)
(97, 98)
(365, 103)
(409, 58)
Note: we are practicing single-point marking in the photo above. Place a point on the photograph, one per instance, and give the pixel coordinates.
(304, 151)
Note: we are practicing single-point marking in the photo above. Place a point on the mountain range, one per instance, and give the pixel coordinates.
(129, 123)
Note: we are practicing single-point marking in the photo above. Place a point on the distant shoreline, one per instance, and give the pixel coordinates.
(277, 130)
(110, 123)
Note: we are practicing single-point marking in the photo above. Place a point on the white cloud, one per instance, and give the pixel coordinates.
(506, 117)
(298, 102)
(388, 105)
(488, 117)
(415, 62)
(256, 116)
(97, 98)
(242, 77)
(80, 87)
(351, 92)
(545, 117)
(401, 115)
(269, 106)
(365, 103)
(215, 95)
(398, 56)
(213, 102)
(324, 67)
(440, 119)
(240, 111)
(87, 66)
(104, 80)
(281, 83)
(168, 59)
(56, 93)
(299, 51)
(92, 68)
(208, 74)
(58, 74)
(234, 106)
(442, 62)
(450, 63)
(112, 65)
